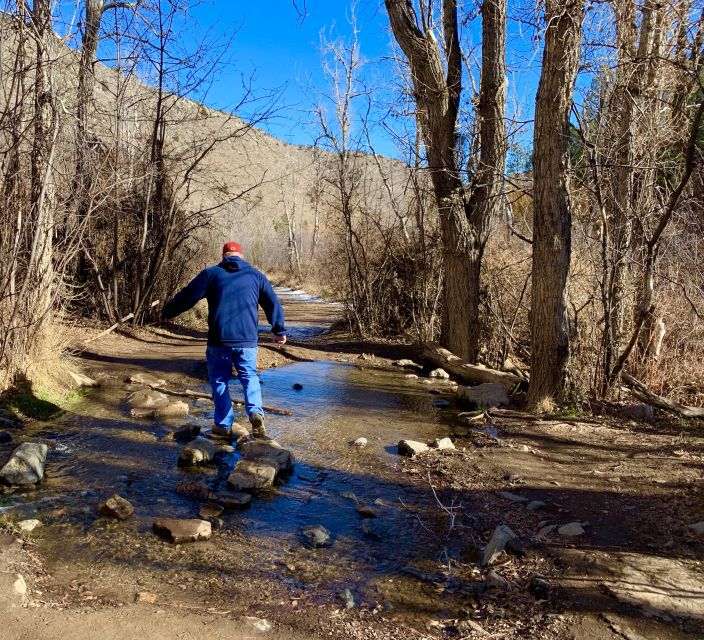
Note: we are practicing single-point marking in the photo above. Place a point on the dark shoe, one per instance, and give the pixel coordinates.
(220, 432)
(258, 429)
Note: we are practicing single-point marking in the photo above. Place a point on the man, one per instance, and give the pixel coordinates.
(234, 289)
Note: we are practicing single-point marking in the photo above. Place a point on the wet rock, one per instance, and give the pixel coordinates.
(26, 464)
(5, 437)
(361, 442)
(412, 448)
(365, 510)
(316, 535)
(348, 495)
(485, 395)
(13, 590)
(199, 451)
(268, 451)
(231, 499)
(513, 497)
(371, 529)
(186, 433)
(196, 489)
(345, 596)
(297, 386)
(82, 380)
(495, 581)
(29, 525)
(179, 531)
(442, 444)
(252, 475)
(176, 409)
(439, 373)
(534, 505)
(640, 412)
(500, 538)
(407, 364)
(210, 510)
(697, 527)
(571, 530)
(147, 379)
(239, 431)
(147, 399)
(116, 507)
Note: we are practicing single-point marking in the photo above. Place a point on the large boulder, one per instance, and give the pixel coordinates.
(252, 475)
(268, 451)
(26, 464)
(179, 531)
(199, 451)
(489, 394)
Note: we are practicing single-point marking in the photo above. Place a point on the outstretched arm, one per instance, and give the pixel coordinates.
(273, 310)
(187, 297)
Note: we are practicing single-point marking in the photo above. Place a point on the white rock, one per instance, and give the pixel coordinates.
(26, 464)
(411, 376)
(13, 590)
(439, 373)
(361, 442)
(500, 538)
(256, 624)
(571, 530)
(442, 443)
(407, 364)
(29, 525)
(489, 394)
(411, 448)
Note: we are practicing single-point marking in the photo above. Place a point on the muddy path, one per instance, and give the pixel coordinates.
(410, 571)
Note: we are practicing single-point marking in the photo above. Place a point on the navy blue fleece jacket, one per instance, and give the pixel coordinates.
(234, 289)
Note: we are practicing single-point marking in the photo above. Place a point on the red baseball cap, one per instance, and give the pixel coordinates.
(231, 247)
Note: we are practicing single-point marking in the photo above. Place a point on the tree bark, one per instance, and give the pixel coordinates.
(552, 215)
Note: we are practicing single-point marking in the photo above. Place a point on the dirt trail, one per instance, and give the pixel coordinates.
(636, 571)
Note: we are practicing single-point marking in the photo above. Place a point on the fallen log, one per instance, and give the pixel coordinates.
(472, 373)
(188, 393)
(640, 391)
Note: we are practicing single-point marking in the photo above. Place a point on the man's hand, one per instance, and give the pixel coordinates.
(280, 339)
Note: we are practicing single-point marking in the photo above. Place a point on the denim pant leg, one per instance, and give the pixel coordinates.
(246, 365)
(219, 374)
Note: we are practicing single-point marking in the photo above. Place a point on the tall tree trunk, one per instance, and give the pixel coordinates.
(552, 216)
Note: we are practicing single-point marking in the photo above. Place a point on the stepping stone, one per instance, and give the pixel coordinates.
(186, 433)
(116, 507)
(252, 475)
(231, 499)
(200, 451)
(411, 448)
(26, 464)
(210, 510)
(179, 531)
(176, 409)
(268, 451)
(148, 399)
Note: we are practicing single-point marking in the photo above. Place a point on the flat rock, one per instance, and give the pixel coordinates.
(571, 530)
(252, 475)
(513, 497)
(412, 448)
(442, 443)
(489, 394)
(268, 451)
(179, 531)
(147, 399)
(500, 538)
(146, 379)
(210, 510)
(26, 464)
(439, 373)
(198, 451)
(29, 525)
(82, 380)
(231, 499)
(178, 409)
(116, 507)
(316, 535)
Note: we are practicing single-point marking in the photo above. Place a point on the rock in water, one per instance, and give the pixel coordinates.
(146, 379)
(411, 448)
(297, 386)
(26, 464)
(147, 399)
(199, 451)
(176, 409)
(365, 510)
(116, 507)
(178, 531)
(439, 373)
(186, 433)
(500, 538)
(231, 499)
(210, 510)
(268, 451)
(489, 394)
(252, 475)
(442, 443)
(316, 535)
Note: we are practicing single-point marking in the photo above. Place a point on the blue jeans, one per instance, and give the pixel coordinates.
(220, 361)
